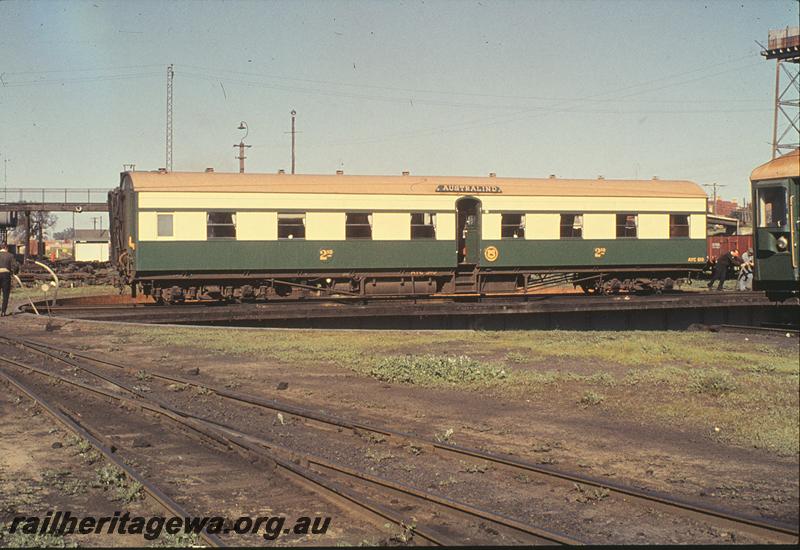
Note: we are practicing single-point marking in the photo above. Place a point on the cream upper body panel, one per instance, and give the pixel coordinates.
(410, 203)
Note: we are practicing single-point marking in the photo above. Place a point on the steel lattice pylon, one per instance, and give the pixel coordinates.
(787, 108)
(170, 74)
(784, 48)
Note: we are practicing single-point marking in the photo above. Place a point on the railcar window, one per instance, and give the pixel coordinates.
(358, 226)
(512, 226)
(423, 225)
(772, 207)
(291, 225)
(164, 225)
(626, 226)
(678, 225)
(221, 225)
(571, 226)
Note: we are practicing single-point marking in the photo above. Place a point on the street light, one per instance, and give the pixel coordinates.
(241, 146)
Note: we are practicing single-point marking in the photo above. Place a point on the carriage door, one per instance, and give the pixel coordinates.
(468, 230)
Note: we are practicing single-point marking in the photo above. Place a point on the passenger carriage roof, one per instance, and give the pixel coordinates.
(219, 182)
(786, 166)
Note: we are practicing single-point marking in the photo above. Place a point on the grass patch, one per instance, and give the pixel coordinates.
(591, 398)
(713, 382)
(62, 481)
(110, 477)
(181, 540)
(22, 540)
(433, 370)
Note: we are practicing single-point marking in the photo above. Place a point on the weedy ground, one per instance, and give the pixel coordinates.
(744, 390)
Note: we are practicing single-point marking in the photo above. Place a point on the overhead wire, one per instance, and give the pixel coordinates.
(84, 69)
(23, 83)
(529, 113)
(217, 71)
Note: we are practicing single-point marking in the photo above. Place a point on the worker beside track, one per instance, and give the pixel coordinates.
(724, 263)
(8, 266)
(745, 280)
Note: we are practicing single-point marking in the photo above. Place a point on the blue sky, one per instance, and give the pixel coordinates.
(526, 89)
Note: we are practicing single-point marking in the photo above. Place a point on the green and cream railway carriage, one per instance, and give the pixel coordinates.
(177, 235)
(776, 205)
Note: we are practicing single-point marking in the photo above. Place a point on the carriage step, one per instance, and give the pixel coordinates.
(466, 280)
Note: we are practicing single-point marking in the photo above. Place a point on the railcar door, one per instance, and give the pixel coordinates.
(468, 230)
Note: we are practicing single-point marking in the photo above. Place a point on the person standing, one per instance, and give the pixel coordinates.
(745, 281)
(8, 266)
(722, 266)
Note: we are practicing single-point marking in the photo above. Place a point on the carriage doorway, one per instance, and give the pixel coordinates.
(468, 230)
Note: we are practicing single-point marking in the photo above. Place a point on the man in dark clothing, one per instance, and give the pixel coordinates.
(724, 263)
(8, 266)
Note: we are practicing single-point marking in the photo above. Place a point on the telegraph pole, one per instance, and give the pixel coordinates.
(293, 132)
(714, 186)
(170, 74)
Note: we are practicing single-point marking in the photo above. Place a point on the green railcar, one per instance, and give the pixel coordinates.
(775, 187)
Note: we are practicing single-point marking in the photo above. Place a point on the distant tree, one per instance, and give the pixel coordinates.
(44, 219)
(65, 234)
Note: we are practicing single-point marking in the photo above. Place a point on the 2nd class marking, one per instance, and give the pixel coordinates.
(599, 252)
(325, 254)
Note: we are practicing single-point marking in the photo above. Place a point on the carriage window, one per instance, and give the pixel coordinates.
(164, 225)
(512, 226)
(626, 226)
(221, 225)
(358, 226)
(423, 225)
(571, 226)
(291, 225)
(678, 225)
(771, 207)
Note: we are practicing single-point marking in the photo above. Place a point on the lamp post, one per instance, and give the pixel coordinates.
(241, 145)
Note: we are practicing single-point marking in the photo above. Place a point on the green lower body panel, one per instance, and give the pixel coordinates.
(301, 255)
(775, 271)
(589, 253)
(294, 255)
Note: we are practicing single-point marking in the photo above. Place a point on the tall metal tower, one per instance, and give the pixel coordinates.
(784, 47)
(294, 113)
(170, 74)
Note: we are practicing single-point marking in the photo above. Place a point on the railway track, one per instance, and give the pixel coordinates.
(755, 527)
(672, 311)
(781, 330)
(351, 488)
(106, 449)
